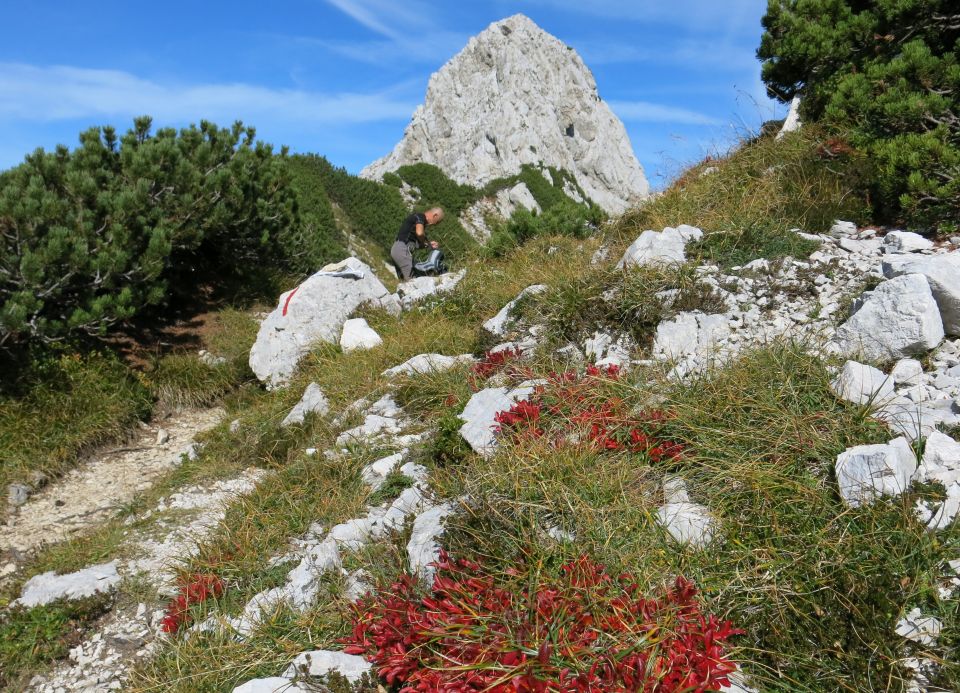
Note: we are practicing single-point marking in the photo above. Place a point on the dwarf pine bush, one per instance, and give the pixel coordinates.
(95, 236)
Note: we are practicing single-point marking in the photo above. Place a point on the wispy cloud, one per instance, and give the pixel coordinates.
(644, 111)
(50, 93)
(388, 18)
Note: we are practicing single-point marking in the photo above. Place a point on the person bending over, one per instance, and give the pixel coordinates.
(413, 234)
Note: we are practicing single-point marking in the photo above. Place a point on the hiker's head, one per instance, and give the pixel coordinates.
(434, 215)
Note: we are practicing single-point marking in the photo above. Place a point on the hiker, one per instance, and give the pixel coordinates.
(413, 234)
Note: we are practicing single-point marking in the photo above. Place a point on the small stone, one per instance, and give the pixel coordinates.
(18, 494)
(905, 242)
(862, 384)
(163, 435)
(358, 335)
(235, 425)
(313, 401)
(866, 472)
(919, 628)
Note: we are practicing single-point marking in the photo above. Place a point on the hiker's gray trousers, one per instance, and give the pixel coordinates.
(402, 255)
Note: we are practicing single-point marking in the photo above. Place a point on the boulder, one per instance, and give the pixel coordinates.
(866, 472)
(943, 275)
(479, 416)
(905, 242)
(322, 662)
(357, 335)
(862, 384)
(312, 313)
(516, 95)
(427, 363)
(49, 587)
(659, 247)
(842, 229)
(497, 325)
(312, 402)
(899, 318)
(690, 333)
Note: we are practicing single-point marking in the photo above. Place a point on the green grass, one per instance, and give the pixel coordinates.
(64, 404)
(752, 199)
(32, 638)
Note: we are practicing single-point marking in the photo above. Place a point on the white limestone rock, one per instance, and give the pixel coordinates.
(358, 335)
(866, 472)
(480, 426)
(322, 662)
(907, 372)
(899, 318)
(862, 384)
(499, 323)
(604, 350)
(841, 229)
(423, 548)
(919, 628)
(418, 288)
(312, 402)
(941, 459)
(427, 363)
(312, 313)
(376, 473)
(516, 95)
(942, 273)
(659, 247)
(916, 420)
(905, 242)
(49, 587)
(272, 684)
(690, 333)
(509, 200)
(687, 522)
(792, 122)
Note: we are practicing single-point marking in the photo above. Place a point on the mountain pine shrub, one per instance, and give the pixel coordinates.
(94, 236)
(887, 72)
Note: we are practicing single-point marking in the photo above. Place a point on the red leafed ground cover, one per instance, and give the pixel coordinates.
(492, 362)
(194, 590)
(581, 630)
(579, 409)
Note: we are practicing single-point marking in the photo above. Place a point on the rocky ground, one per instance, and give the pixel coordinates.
(904, 300)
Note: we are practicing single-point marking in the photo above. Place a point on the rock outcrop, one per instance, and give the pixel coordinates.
(517, 95)
(311, 313)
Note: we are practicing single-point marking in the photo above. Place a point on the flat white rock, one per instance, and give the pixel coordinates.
(899, 318)
(919, 628)
(49, 587)
(479, 416)
(312, 402)
(426, 363)
(689, 333)
(423, 548)
(358, 335)
(905, 242)
(322, 662)
(866, 472)
(497, 325)
(273, 684)
(418, 288)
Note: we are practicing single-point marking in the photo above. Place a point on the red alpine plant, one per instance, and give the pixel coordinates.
(581, 630)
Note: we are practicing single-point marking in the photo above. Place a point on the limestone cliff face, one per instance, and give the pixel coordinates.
(516, 95)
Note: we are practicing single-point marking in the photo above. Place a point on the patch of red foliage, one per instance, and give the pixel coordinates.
(492, 362)
(198, 588)
(582, 630)
(578, 408)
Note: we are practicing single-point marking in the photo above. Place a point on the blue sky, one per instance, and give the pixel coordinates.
(342, 77)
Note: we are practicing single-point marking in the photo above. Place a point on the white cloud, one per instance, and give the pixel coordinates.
(50, 93)
(388, 18)
(659, 113)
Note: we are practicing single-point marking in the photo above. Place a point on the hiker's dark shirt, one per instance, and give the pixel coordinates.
(408, 229)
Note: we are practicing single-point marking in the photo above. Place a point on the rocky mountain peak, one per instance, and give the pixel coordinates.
(517, 95)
